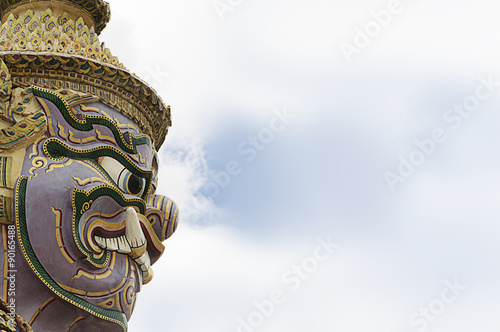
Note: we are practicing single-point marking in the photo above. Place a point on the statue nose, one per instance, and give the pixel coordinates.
(163, 215)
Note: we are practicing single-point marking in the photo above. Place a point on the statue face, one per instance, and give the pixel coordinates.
(89, 221)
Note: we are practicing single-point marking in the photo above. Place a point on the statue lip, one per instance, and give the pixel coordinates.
(130, 236)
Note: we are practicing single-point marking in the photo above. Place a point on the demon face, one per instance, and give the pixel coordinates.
(89, 223)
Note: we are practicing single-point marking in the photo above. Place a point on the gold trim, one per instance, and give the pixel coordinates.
(74, 322)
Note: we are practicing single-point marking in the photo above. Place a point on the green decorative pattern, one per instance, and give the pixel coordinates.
(34, 263)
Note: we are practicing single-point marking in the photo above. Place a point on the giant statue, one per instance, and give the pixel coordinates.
(81, 224)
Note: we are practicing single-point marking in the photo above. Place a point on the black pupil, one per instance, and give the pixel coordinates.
(134, 184)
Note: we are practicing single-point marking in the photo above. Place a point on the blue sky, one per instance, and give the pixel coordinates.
(420, 257)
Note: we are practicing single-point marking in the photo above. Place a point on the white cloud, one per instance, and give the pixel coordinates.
(183, 172)
(354, 120)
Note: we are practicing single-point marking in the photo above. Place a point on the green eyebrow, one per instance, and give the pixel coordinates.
(88, 121)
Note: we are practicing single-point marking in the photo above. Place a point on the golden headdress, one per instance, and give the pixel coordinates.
(54, 44)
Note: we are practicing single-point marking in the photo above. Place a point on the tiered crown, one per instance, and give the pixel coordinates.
(96, 13)
(55, 44)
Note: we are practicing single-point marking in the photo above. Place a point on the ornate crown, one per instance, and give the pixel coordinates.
(55, 44)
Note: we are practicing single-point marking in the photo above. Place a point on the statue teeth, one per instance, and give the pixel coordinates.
(144, 263)
(111, 244)
(123, 246)
(101, 242)
(133, 230)
(119, 243)
(147, 276)
(132, 243)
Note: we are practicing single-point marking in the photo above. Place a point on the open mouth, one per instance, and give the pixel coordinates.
(131, 237)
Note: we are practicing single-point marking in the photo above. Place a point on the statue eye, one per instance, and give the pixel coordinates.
(127, 181)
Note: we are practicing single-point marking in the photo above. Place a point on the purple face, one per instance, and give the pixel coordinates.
(91, 225)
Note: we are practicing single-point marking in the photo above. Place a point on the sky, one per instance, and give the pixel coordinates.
(336, 163)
